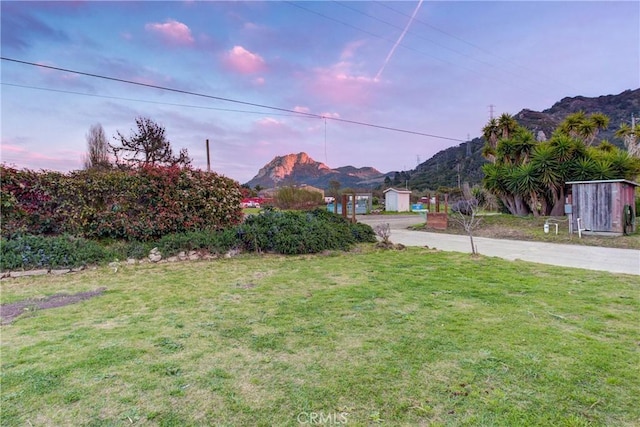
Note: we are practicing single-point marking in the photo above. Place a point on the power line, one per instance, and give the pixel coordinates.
(231, 110)
(480, 48)
(412, 32)
(185, 92)
(402, 45)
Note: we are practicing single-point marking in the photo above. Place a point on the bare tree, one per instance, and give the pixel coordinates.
(147, 146)
(465, 213)
(97, 156)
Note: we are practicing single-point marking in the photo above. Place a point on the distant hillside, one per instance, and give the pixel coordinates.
(301, 169)
(617, 107)
(465, 161)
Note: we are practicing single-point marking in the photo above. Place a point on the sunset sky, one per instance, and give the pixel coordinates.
(266, 79)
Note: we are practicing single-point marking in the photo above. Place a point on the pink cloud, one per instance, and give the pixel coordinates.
(172, 31)
(350, 49)
(242, 61)
(23, 158)
(340, 83)
(330, 115)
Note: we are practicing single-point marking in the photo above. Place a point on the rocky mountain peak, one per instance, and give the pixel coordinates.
(300, 168)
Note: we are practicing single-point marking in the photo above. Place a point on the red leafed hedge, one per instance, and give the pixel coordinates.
(139, 204)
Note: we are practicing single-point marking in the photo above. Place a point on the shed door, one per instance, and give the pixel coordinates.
(594, 206)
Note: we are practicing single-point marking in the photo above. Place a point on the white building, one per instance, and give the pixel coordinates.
(397, 200)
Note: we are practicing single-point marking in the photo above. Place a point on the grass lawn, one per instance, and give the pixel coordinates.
(371, 337)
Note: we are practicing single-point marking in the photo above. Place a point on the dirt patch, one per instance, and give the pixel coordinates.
(9, 312)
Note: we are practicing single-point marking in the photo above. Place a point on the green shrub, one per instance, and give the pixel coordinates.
(25, 252)
(293, 232)
(208, 240)
(140, 204)
(285, 232)
(298, 198)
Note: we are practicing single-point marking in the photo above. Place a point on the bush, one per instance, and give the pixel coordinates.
(292, 232)
(285, 232)
(141, 204)
(298, 198)
(29, 251)
(210, 241)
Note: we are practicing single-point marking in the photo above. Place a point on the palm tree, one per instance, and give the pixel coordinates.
(524, 144)
(571, 124)
(604, 169)
(494, 182)
(631, 137)
(586, 128)
(524, 182)
(624, 165)
(550, 175)
(490, 134)
(596, 123)
(583, 169)
(507, 125)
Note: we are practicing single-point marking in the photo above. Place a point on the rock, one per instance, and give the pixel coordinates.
(15, 274)
(182, 255)
(232, 253)
(131, 261)
(193, 256)
(173, 259)
(155, 255)
(61, 271)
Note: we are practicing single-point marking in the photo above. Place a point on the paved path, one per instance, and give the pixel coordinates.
(577, 256)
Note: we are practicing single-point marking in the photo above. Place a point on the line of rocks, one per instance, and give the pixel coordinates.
(154, 257)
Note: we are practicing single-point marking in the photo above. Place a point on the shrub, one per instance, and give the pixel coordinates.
(212, 241)
(293, 232)
(29, 251)
(286, 232)
(298, 198)
(141, 204)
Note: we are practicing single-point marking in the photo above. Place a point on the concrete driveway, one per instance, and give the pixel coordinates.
(587, 257)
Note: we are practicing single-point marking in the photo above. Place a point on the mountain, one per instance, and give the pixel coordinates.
(464, 162)
(301, 169)
(618, 108)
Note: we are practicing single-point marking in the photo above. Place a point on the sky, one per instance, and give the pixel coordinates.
(385, 84)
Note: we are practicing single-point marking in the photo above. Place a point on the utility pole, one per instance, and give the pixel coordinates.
(208, 159)
(491, 107)
(468, 146)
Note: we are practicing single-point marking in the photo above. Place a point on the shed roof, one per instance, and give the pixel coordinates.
(397, 191)
(604, 181)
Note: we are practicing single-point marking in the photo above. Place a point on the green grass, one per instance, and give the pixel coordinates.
(414, 337)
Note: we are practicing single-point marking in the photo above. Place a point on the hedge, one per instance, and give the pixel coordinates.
(140, 204)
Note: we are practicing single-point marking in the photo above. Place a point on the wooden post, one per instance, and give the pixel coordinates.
(353, 208)
(345, 198)
(437, 202)
(208, 159)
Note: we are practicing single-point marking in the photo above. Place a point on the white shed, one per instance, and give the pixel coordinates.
(397, 200)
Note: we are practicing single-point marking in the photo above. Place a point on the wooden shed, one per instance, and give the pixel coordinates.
(397, 200)
(604, 206)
